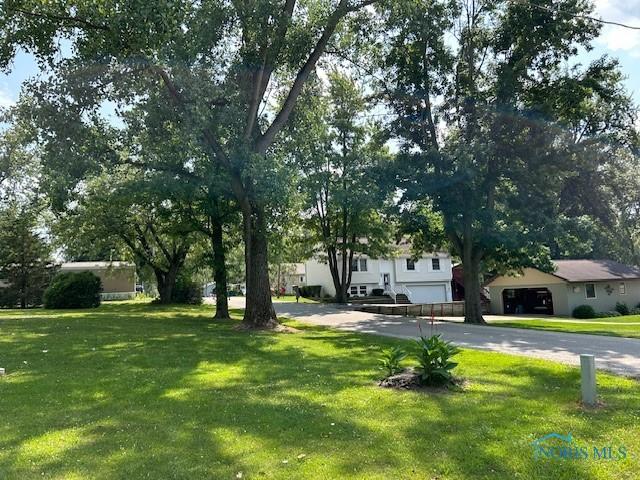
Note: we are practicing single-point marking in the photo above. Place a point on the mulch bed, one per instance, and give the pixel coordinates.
(410, 380)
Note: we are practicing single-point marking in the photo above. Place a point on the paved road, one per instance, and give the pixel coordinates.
(619, 355)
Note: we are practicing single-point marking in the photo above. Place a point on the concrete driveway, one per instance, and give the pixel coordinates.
(619, 355)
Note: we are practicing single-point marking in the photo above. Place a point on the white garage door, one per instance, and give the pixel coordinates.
(427, 293)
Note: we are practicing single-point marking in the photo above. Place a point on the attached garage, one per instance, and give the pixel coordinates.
(427, 293)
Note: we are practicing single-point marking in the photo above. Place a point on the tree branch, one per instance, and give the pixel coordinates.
(266, 139)
(61, 18)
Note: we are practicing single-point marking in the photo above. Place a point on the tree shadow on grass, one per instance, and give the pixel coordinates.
(177, 396)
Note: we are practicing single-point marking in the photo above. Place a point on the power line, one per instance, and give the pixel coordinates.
(584, 17)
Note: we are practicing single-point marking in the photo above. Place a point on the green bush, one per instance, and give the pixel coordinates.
(390, 360)
(73, 290)
(377, 292)
(310, 291)
(622, 308)
(635, 311)
(8, 298)
(584, 311)
(610, 313)
(186, 291)
(434, 359)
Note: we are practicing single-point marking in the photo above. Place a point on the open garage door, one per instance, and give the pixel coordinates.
(527, 300)
(427, 293)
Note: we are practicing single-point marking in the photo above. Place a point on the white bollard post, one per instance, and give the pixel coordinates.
(588, 371)
(2, 372)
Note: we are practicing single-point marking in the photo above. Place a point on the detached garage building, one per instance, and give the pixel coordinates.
(599, 283)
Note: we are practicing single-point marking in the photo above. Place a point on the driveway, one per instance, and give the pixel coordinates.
(619, 355)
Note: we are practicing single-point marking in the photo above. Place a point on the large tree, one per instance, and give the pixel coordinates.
(342, 176)
(475, 139)
(217, 62)
(26, 264)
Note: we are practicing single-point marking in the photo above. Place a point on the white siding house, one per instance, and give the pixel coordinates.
(425, 280)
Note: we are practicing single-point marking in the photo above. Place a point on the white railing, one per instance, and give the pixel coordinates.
(406, 291)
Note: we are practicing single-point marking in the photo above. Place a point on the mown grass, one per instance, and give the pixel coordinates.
(292, 298)
(625, 326)
(133, 391)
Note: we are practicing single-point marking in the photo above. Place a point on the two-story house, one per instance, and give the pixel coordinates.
(423, 280)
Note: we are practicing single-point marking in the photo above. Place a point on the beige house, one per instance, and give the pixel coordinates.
(599, 283)
(118, 278)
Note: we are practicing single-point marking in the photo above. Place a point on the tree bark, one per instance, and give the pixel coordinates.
(166, 281)
(219, 270)
(259, 312)
(471, 275)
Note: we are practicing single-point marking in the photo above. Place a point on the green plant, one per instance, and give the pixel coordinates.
(622, 308)
(390, 360)
(310, 291)
(584, 311)
(186, 291)
(73, 290)
(434, 359)
(607, 314)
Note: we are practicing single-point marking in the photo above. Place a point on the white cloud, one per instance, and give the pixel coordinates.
(618, 38)
(6, 100)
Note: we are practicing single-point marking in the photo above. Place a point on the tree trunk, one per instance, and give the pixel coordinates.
(471, 273)
(166, 281)
(219, 270)
(259, 312)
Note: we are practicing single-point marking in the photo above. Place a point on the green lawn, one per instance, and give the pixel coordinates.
(292, 298)
(133, 391)
(626, 326)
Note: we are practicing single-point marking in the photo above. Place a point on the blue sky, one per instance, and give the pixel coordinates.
(618, 42)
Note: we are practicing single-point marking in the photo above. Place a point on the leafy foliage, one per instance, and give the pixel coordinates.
(434, 358)
(390, 360)
(622, 308)
(584, 311)
(73, 290)
(343, 176)
(25, 256)
(187, 291)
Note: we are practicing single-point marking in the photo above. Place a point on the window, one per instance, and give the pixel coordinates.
(590, 290)
(301, 279)
(359, 265)
(363, 289)
(435, 264)
(353, 290)
(622, 289)
(411, 265)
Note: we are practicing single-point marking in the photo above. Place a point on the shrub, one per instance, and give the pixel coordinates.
(434, 358)
(390, 360)
(622, 308)
(73, 290)
(377, 292)
(186, 291)
(584, 311)
(310, 291)
(635, 311)
(610, 313)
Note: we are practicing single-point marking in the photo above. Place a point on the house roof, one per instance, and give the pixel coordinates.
(95, 265)
(594, 270)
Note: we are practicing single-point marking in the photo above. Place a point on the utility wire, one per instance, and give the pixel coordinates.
(584, 17)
